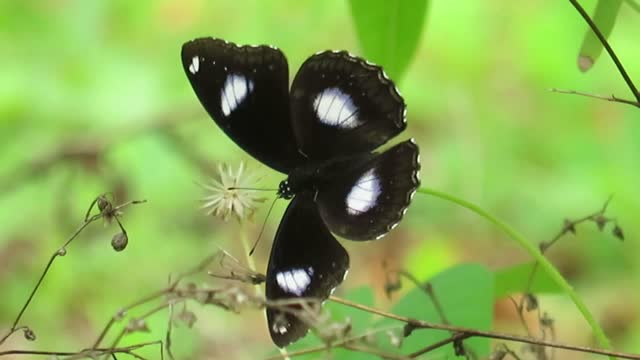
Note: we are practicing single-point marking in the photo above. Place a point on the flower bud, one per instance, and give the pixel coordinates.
(617, 232)
(569, 226)
(103, 204)
(531, 302)
(29, 334)
(601, 221)
(119, 241)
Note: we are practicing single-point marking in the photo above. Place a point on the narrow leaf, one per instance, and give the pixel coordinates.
(604, 18)
(389, 31)
(634, 5)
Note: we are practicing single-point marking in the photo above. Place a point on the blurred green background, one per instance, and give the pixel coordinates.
(93, 99)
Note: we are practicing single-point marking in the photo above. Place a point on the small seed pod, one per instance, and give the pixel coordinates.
(187, 317)
(617, 232)
(103, 204)
(601, 221)
(569, 226)
(119, 241)
(531, 302)
(29, 334)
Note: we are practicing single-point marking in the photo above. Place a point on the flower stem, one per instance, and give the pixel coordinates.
(545, 264)
(252, 264)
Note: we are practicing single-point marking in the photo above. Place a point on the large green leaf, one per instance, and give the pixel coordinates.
(466, 296)
(604, 18)
(515, 279)
(633, 4)
(389, 31)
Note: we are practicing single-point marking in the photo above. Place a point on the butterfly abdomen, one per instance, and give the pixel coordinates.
(316, 176)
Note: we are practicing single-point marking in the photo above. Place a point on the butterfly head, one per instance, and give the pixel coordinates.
(285, 191)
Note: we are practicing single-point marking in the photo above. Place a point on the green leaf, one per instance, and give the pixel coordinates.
(514, 279)
(389, 31)
(465, 293)
(633, 4)
(604, 17)
(360, 321)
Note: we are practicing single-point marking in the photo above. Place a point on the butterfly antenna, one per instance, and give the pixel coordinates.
(264, 224)
(248, 188)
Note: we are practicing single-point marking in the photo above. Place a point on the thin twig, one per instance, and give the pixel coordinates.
(84, 353)
(439, 344)
(137, 324)
(153, 296)
(612, 98)
(504, 350)
(428, 289)
(420, 324)
(62, 251)
(607, 47)
(568, 227)
(340, 343)
(376, 352)
(167, 337)
(519, 306)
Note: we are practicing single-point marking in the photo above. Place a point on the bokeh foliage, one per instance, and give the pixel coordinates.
(100, 78)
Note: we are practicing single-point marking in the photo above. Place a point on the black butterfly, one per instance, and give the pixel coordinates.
(322, 134)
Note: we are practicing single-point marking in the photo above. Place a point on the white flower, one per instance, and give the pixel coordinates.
(228, 194)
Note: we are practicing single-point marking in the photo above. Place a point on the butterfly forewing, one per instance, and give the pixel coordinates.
(322, 134)
(371, 199)
(341, 104)
(245, 90)
(306, 261)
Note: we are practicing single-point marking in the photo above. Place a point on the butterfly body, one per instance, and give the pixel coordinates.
(316, 176)
(324, 133)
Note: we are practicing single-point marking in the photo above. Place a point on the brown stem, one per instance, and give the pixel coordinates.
(83, 353)
(153, 296)
(419, 324)
(607, 47)
(439, 344)
(612, 98)
(428, 289)
(376, 352)
(568, 227)
(122, 312)
(62, 251)
(340, 343)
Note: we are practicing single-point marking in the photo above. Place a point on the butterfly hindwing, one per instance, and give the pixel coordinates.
(342, 104)
(306, 261)
(245, 90)
(371, 199)
(322, 134)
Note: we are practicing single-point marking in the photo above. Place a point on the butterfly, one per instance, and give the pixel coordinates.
(322, 133)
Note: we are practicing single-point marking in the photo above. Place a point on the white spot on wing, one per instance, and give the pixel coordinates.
(195, 65)
(335, 108)
(279, 328)
(364, 194)
(294, 281)
(235, 90)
